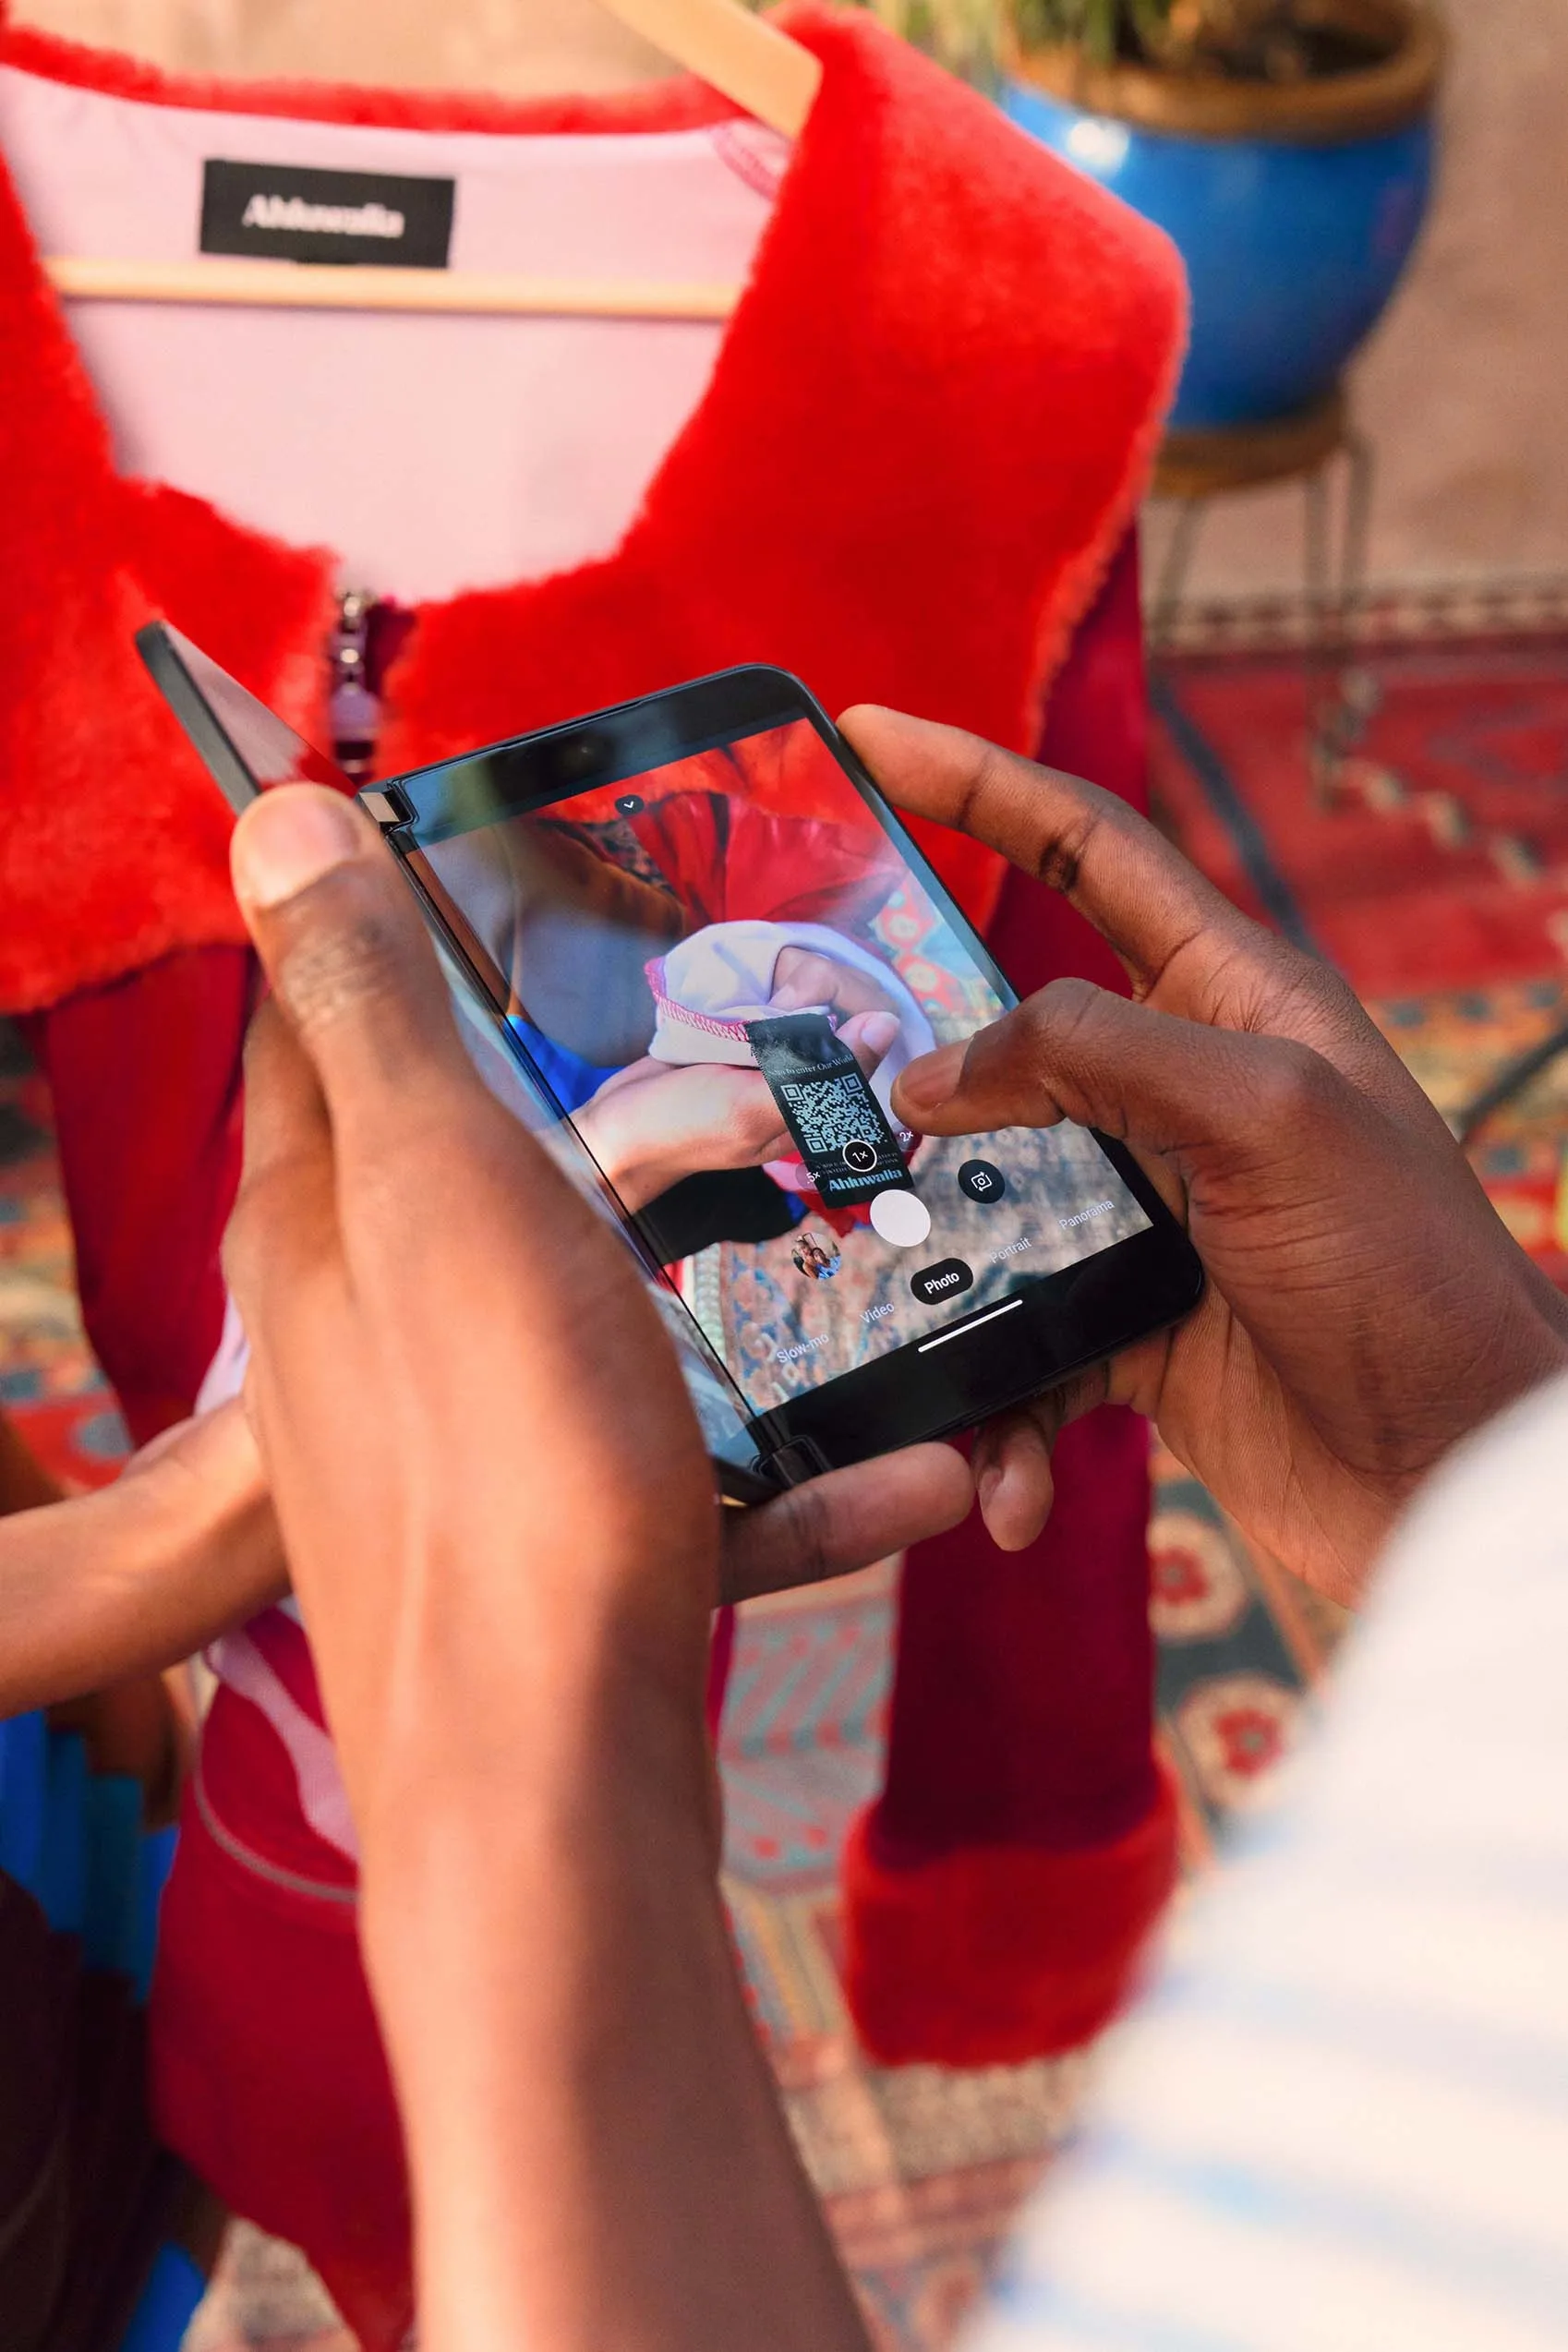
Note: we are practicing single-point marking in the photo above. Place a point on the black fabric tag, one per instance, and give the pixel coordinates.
(291, 214)
(834, 1118)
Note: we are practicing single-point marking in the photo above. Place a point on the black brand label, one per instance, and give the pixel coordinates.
(290, 214)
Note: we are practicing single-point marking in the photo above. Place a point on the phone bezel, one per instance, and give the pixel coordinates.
(933, 1385)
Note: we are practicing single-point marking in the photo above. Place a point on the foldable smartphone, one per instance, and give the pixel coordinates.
(693, 946)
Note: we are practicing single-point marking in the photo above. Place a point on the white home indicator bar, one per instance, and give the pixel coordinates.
(959, 1329)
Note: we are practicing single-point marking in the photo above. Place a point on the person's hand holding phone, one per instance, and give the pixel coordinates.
(451, 1349)
(500, 1521)
(1365, 1307)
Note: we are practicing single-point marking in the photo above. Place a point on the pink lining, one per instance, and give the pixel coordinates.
(518, 447)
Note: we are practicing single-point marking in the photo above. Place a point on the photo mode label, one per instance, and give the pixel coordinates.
(289, 212)
(945, 1280)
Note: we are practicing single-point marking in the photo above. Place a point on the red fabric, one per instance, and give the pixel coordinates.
(719, 1658)
(928, 425)
(775, 869)
(267, 2064)
(1024, 1686)
(1097, 727)
(145, 1078)
(1021, 1952)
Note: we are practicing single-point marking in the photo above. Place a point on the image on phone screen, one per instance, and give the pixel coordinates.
(717, 966)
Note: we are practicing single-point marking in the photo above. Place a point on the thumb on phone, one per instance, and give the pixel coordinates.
(349, 961)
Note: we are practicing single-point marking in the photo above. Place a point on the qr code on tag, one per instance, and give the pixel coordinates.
(831, 1111)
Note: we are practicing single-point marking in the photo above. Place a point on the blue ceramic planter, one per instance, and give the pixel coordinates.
(1291, 250)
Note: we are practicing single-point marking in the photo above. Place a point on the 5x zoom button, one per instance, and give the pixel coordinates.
(945, 1280)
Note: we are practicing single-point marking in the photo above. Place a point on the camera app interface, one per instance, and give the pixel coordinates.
(719, 969)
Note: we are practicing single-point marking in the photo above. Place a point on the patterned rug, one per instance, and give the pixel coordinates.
(1440, 862)
(1436, 877)
(49, 1385)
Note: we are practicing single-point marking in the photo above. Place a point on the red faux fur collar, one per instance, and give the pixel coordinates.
(925, 433)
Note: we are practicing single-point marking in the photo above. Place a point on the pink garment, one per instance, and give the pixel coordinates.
(535, 436)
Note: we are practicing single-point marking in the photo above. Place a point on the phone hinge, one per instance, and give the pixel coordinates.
(387, 804)
(793, 1463)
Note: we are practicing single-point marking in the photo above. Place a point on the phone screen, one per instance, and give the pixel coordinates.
(717, 967)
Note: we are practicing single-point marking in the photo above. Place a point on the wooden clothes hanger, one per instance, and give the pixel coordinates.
(775, 79)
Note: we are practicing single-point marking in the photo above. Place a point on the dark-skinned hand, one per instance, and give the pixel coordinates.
(460, 1385)
(1366, 1307)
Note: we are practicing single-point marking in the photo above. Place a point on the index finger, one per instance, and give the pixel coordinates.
(1140, 894)
(844, 1520)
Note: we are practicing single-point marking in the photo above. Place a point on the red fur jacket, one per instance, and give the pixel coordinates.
(928, 425)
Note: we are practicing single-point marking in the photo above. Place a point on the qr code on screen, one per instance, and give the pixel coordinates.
(832, 1112)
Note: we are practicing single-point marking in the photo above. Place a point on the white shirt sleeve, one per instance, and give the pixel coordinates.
(1339, 2121)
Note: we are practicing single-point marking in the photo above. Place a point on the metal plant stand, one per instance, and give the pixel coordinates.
(1320, 446)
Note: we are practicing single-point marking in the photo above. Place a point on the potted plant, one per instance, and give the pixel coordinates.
(1284, 145)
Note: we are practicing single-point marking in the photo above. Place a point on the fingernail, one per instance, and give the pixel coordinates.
(878, 1031)
(988, 1484)
(928, 1082)
(287, 841)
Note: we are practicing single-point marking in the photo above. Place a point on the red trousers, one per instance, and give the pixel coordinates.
(994, 1895)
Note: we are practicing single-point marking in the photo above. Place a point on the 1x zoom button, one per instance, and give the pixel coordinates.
(945, 1280)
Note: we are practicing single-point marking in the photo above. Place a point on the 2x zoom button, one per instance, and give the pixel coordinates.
(945, 1280)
